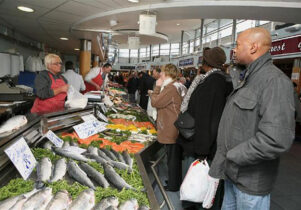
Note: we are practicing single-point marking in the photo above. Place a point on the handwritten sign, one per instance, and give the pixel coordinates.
(54, 139)
(89, 117)
(101, 116)
(22, 157)
(89, 128)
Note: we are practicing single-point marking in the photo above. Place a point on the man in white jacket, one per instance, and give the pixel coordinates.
(74, 78)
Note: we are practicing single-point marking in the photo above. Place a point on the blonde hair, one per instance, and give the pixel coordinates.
(49, 59)
(170, 70)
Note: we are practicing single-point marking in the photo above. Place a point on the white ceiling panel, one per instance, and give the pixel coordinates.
(49, 4)
(62, 17)
(79, 9)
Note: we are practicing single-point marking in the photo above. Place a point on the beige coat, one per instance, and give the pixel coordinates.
(168, 104)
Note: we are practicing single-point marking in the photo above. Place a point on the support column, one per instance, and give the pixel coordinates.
(85, 57)
(234, 35)
(95, 61)
(201, 34)
(181, 43)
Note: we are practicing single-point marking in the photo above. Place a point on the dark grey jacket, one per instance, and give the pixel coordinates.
(257, 125)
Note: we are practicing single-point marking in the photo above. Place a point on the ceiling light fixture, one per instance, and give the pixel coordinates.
(178, 24)
(25, 9)
(76, 49)
(64, 38)
(134, 1)
(147, 23)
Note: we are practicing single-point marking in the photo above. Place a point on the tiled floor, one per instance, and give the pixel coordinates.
(287, 191)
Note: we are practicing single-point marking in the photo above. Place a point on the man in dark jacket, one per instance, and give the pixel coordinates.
(146, 83)
(132, 86)
(257, 125)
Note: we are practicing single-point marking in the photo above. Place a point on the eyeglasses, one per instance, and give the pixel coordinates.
(57, 63)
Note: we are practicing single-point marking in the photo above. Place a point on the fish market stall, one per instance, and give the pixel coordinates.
(84, 158)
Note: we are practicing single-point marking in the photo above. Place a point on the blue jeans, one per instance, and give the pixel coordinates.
(234, 199)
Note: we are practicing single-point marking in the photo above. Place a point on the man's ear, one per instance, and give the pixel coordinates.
(253, 48)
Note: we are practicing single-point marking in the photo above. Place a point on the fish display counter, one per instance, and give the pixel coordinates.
(85, 158)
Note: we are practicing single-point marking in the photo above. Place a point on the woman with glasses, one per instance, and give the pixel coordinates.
(51, 87)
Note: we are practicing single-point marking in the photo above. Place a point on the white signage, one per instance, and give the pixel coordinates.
(22, 157)
(89, 117)
(114, 110)
(101, 116)
(103, 107)
(89, 128)
(54, 139)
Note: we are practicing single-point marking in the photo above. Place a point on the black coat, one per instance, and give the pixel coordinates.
(206, 105)
(132, 85)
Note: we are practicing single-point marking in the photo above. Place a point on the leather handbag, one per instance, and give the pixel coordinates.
(186, 125)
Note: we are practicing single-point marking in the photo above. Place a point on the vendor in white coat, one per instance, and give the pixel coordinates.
(74, 78)
(97, 77)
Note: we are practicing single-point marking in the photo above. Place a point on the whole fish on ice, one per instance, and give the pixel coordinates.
(78, 174)
(60, 201)
(59, 170)
(13, 123)
(85, 200)
(107, 202)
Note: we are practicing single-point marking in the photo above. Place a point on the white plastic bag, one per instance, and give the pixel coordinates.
(75, 99)
(210, 195)
(151, 111)
(195, 184)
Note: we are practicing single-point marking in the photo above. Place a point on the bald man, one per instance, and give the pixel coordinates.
(256, 127)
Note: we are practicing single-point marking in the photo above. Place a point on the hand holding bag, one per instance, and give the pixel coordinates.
(185, 125)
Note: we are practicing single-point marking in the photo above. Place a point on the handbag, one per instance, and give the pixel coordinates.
(185, 124)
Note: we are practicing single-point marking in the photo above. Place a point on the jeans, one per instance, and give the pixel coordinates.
(234, 199)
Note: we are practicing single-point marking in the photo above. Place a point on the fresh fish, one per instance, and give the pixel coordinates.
(131, 204)
(38, 200)
(107, 202)
(95, 175)
(73, 143)
(115, 178)
(92, 150)
(85, 200)
(127, 158)
(143, 207)
(119, 156)
(45, 203)
(66, 144)
(109, 154)
(111, 208)
(8, 203)
(60, 201)
(68, 154)
(19, 204)
(13, 123)
(48, 145)
(44, 169)
(103, 155)
(59, 170)
(121, 166)
(98, 159)
(78, 174)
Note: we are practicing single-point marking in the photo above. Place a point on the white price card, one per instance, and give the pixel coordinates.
(22, 157)
(89, 128)
(54, 139)
(88, 117)
(101, 116)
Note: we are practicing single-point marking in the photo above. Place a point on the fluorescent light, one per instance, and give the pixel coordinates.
(76, 49)
(64, 38)
(25, 9)
(134, 1)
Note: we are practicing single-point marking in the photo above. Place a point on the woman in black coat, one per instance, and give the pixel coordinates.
(205, 101)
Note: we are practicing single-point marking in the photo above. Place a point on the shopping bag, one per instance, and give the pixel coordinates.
(75, 99)
(195, 184)
(210, 195)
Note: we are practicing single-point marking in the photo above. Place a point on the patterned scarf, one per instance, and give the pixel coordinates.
(197, 80)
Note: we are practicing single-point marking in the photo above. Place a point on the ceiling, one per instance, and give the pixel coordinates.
(77, 19)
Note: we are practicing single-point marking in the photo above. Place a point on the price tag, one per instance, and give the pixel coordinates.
(89, 117)
(114, 110)
(22, 157)
(54, 139)
(104, 108)
(101, 116)
(89, 128)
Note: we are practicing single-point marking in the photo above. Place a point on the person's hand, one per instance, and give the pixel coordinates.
(159, 82)
(64, 88)
(97, 87)
(149, 92)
